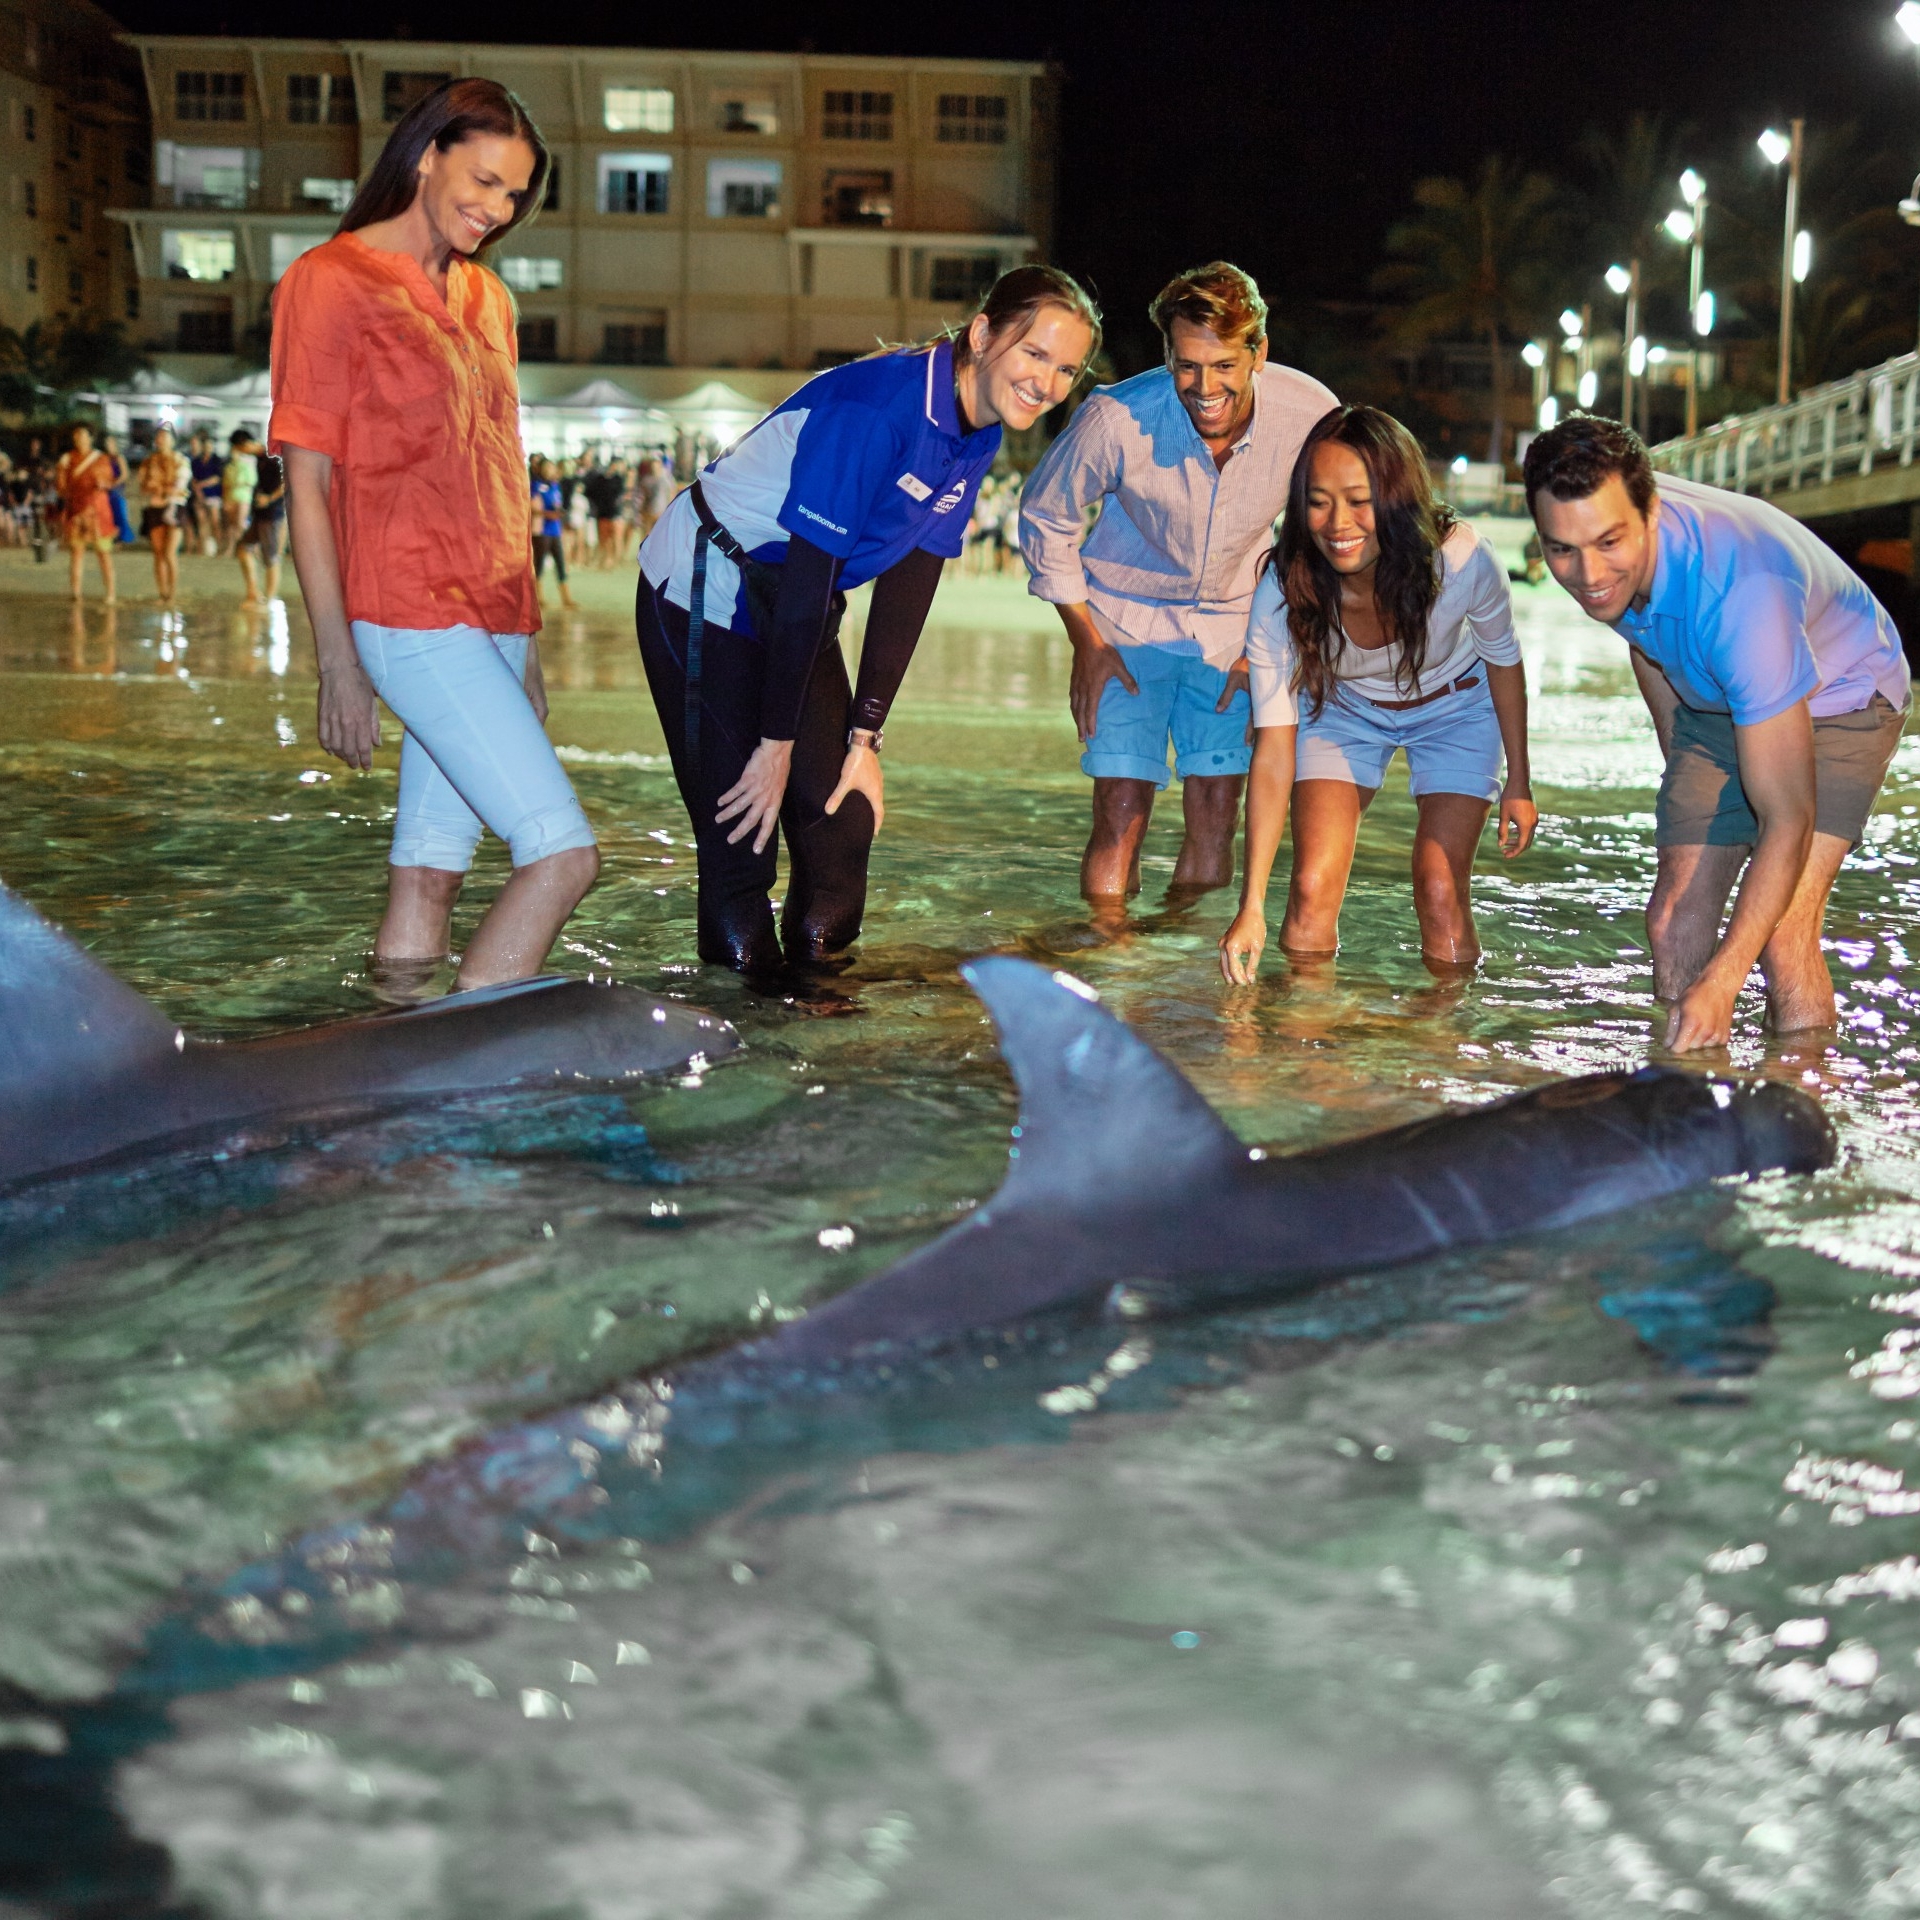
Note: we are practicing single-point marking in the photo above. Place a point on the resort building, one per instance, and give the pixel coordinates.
(713, 220)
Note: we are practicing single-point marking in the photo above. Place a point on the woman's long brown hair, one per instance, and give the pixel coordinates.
(454, 111)
(1411, 526)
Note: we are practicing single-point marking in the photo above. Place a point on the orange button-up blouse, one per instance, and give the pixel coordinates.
(416, 401)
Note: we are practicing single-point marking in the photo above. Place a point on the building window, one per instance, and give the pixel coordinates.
(30, 199)
(858, 200)
(635, 182)
(539, 338)
(33, 274)
(306, 98)
(197, 255)
(525, 274)
(285, 248)
(206, 331)
(747, 116)
(743, 189)
(76, 285)
(133, 301)
(76, 214)
(637, 109)
(400, 92)
(206, 176)
(343, 108)
(977, 119)
(959, 279)
(640, 342)
(29, 124)
(551, 203)
(209, 96)
(335, 195)
(857, 116)
(139, 167)
(73, 139)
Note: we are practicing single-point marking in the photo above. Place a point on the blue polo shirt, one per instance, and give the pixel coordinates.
(1751, 612)
(866, 461)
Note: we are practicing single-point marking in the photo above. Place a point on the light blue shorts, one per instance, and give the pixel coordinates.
(1452, 744)
(1178, 693)
(473, 754)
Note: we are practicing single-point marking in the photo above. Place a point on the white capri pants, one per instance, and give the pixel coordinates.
(474, 755)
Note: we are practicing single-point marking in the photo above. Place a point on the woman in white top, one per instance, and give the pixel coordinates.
(1382, 623)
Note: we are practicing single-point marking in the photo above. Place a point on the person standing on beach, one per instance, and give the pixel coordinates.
(396, 408)
(164, 481)
(206, 467)
(259, 548)
(82, 478)
(1189, 466)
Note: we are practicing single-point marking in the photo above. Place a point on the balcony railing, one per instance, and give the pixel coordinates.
(1844, 430)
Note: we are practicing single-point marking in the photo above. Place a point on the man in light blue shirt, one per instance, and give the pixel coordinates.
(1188, 466)
(1778, 689)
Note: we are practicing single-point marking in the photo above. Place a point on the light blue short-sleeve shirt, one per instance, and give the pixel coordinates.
(1750, 611)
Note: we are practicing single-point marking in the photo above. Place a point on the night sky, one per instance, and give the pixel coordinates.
(1285, 137)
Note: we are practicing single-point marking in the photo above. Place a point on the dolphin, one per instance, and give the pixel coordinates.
(89, 1070)
(1126, 1197)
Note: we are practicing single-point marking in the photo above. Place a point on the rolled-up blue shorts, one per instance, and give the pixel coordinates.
(1176, 701)
(474, 754)
(1452, 744)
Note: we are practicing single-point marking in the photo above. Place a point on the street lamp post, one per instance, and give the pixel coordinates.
(1625, 281)
(1689, 226)
(1788, 147)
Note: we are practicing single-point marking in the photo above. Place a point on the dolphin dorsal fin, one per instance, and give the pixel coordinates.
(1103, 1119)
(65, 1021)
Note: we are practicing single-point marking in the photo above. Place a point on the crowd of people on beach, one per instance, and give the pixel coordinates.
(1263, 595)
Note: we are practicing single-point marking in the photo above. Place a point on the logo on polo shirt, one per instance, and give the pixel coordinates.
(831, 526)
(951, 498)
(913, 486)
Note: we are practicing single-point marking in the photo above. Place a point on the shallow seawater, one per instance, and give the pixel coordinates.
(1573, 1576)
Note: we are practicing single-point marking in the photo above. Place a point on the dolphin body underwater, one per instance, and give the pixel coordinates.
(90, 1070)
(1126, 1198)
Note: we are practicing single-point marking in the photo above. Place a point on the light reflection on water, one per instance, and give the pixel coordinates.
(1460, 1592)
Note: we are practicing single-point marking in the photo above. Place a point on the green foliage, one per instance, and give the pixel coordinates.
(43, 367)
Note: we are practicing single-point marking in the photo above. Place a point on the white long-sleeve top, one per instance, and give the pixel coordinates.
(1472, 619)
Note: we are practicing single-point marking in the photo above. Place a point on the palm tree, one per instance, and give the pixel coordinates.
(1477, 261)
(43, 367)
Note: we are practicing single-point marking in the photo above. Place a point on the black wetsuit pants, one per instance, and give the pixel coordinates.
(826, 855)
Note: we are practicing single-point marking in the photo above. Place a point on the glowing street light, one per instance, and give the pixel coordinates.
(1693, 189)
(1787, 147)
(1689, 227)
(1625, 281)
(1549, 413)
(1570, 323)
(1703, 315)
(1802, 256)
(1908, 21)
(1679, 224)
(1534, 354)
(1638, 355)
(1619, 280)
(1588, 390)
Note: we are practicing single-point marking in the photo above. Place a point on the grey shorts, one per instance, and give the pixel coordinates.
(1701, 801)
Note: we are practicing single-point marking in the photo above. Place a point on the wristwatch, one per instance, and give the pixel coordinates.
(874, 744)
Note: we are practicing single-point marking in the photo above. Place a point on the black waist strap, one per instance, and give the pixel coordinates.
(711, 534)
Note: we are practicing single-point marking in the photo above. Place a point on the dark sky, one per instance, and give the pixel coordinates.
(1284, 136)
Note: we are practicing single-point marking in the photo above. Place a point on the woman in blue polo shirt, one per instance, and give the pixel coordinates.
(868, 472)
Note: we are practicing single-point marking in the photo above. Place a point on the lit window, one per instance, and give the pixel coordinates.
(959, 279)
(527, 275)
(857, 200)
(747, 116)
(335, 195)
(206, 176)
(976, 118)
(198, 256)
(401, 92)
(286, 248)
(857, 116)
(209, 96)
(638, 109)
(743, 189)
(635, 182)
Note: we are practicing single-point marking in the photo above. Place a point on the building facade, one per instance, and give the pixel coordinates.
(73, 143)
(748, 211)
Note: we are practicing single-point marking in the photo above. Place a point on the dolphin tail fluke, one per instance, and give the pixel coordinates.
(1102, 1116)
(65, 1021)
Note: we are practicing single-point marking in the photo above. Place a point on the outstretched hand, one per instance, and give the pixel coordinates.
(860, 773)
(1241, 946)
(757, 794)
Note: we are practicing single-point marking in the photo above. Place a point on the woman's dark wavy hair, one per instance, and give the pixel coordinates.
(454, 111)
(1411, 526)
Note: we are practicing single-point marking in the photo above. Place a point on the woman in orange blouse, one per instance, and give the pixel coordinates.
(396, 407)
